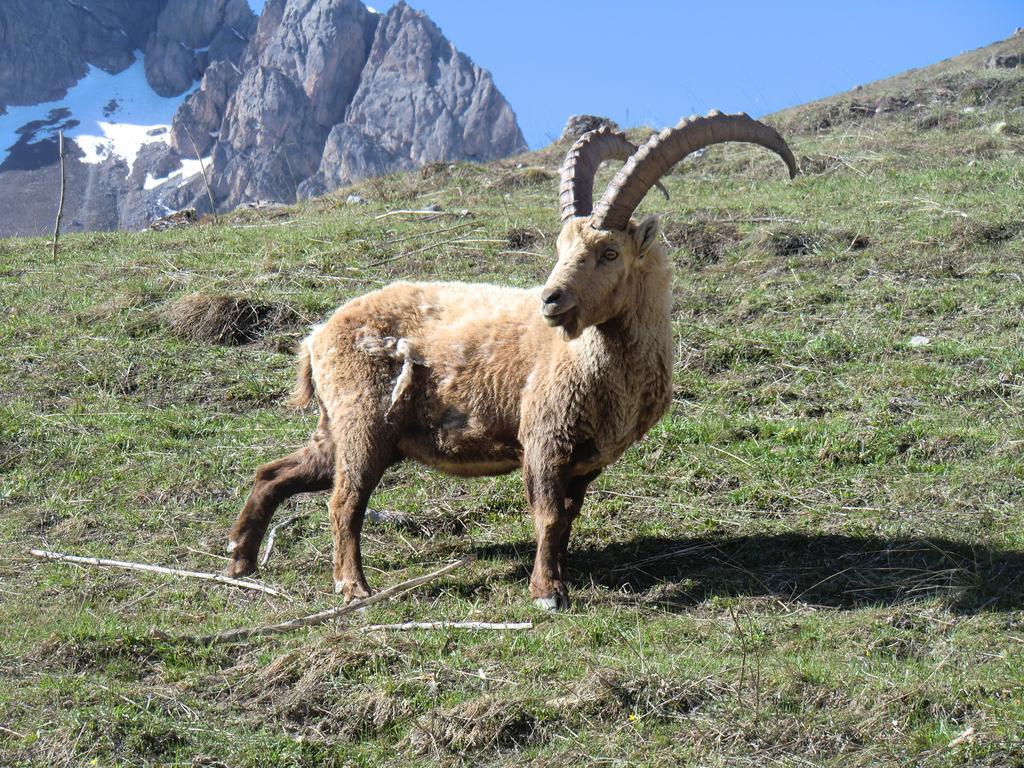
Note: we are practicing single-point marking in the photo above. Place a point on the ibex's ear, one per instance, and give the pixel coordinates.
(646, 235)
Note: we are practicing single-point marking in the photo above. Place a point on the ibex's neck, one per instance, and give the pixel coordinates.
(645, 325)
(627, 361)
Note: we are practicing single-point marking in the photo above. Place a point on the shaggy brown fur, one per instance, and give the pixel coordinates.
(473, 380)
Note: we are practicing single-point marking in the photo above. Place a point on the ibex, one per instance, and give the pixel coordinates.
(481, 380)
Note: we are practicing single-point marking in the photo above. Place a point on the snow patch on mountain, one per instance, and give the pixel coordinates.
(189, 168)
(122, 140)
(106, 115)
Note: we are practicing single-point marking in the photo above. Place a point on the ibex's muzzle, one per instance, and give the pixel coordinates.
(557, 305)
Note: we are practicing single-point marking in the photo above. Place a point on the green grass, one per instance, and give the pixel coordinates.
(816, 558)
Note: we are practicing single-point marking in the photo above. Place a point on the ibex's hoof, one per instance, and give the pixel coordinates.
(351, 591)
(240, 567)
(557, 602)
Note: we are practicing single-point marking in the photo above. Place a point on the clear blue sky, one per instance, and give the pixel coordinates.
(654, 61)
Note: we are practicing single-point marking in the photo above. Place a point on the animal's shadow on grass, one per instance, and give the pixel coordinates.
(827, 570)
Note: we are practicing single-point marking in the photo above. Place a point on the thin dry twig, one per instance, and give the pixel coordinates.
(524, 253)
(202, 167)
(966, 736)
(272, 536)
(60, 205)
(245, 633)
(756, 220)
(470, 625)
(392, 241)
(413, 252)
(433, 214)
(128, 566)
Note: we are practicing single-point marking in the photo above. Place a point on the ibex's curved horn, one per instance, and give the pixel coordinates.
(576, 190)
(663, 150)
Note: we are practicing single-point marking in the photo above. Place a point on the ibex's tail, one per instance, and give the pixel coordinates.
(303, 391)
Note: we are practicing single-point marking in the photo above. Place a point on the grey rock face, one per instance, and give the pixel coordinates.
(419, 101)
(381, 94)
(577, 125)
(1004, 62)
(321, 45)
(350, 154)
(46, 46)
(191, 33)
(269, 140)
(306, 61)
(202, 113)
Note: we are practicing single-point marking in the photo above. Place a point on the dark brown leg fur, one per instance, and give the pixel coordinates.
(573, 504)
(358, 471)
(546, 494)
(309, 469)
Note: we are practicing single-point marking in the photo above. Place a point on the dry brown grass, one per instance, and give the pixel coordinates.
(483, 724)
(225, 319)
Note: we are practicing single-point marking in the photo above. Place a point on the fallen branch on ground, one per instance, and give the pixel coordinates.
(756, 220)
(404, 254)
(392, 241)
(471, 625)
(428, 212)
(43, 554)
(272, 536)
(233, 635)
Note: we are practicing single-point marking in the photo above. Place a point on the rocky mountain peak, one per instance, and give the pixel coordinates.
(310, 96)
(189, 34)
(369, 94)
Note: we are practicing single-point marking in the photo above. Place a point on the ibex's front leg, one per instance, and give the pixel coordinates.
(545, 493)
(573, 504)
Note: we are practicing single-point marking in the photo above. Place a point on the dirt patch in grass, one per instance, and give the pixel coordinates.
(519, 238)
(706, 242)
(525, 177)
(135, 654)
(789, 242)
(945, 449)
(986, 91)
(426, 523)
(818, 165)
(225, 319)
(484, 724)
(968, 232)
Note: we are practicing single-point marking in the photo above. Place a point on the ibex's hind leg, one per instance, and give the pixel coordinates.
(360, 466)
(309, 469)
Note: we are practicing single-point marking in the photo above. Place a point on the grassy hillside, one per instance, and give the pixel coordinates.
(817, 558)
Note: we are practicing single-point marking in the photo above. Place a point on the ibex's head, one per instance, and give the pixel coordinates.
(602, 250)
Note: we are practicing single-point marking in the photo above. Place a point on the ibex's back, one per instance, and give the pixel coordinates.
(472, 379)
(445, 362)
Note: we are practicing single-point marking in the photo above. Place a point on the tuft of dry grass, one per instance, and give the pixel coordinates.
(526, 177)
(483, 724)
(614, 695)
(225, 319)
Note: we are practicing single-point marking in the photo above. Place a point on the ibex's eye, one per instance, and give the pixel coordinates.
(610, 254)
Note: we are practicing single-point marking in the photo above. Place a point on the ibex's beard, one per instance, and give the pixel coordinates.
(568, 321)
